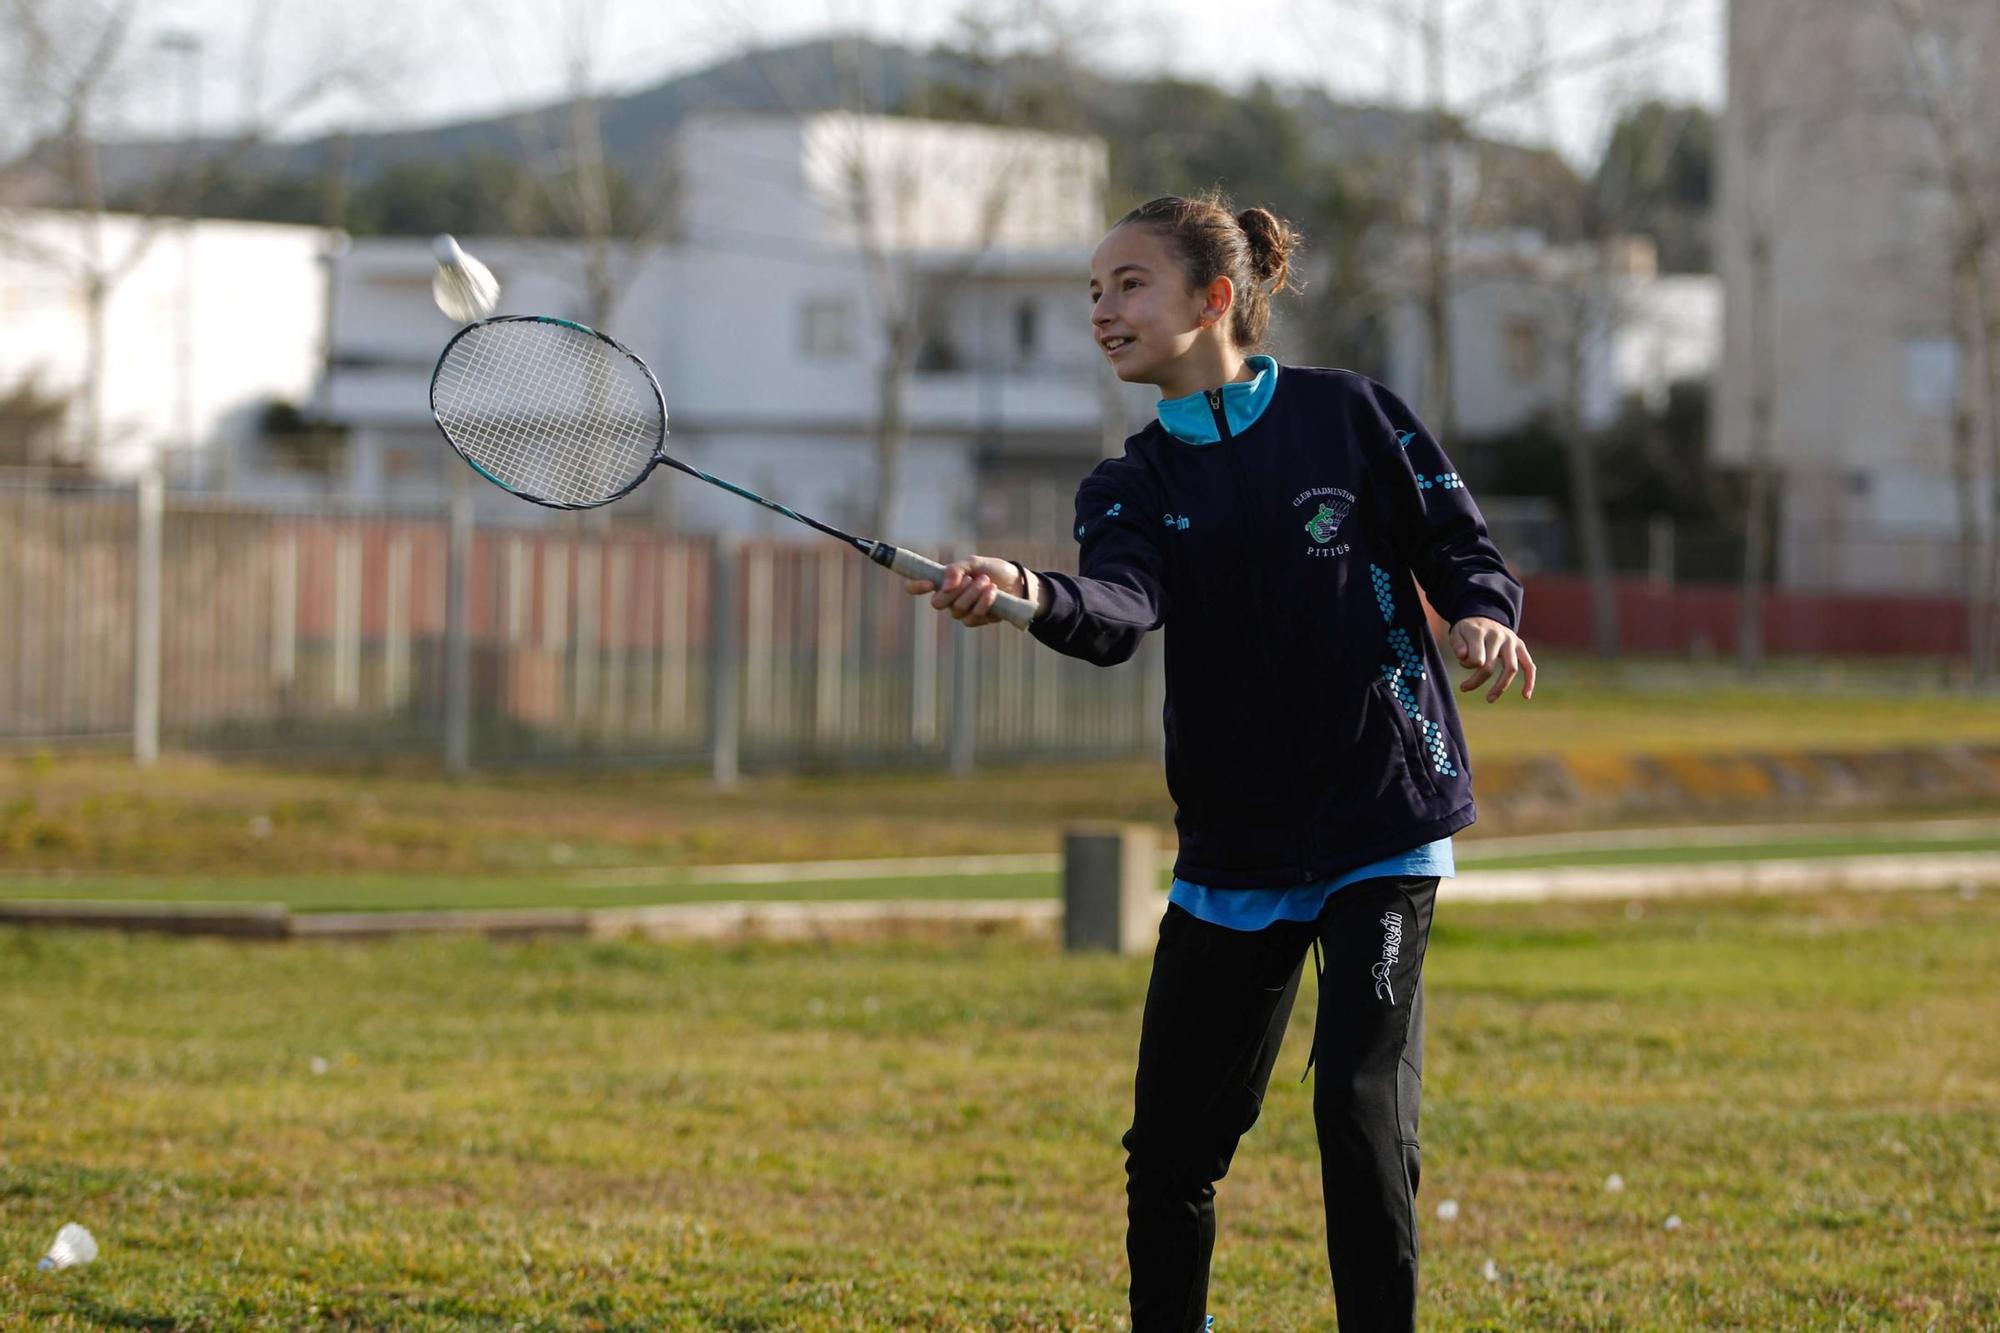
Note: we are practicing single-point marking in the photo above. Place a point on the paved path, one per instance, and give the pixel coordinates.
(927, 917)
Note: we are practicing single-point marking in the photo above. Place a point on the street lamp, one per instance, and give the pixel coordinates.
(185, 46)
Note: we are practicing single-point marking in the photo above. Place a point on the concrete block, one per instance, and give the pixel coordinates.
(1111, 889)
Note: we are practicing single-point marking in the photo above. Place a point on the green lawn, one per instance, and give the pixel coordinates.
(97, 815)
(623, 1136)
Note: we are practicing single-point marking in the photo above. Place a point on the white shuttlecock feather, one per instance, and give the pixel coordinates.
(73, 1246)
(463, 287)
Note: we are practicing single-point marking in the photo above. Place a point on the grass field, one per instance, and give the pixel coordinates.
(612, 1136)
(189, 816)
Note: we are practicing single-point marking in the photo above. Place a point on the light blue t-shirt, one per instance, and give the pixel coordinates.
(1255, 909)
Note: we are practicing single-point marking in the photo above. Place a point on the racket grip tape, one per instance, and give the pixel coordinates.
(1016, 611)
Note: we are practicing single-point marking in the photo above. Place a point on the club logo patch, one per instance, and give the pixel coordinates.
(1323, 525)
(1332, 506)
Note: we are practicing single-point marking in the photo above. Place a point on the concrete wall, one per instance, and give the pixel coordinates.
(208, 323)
(765, 322)
(1849, 188)
(1516, 306)
(834, 179)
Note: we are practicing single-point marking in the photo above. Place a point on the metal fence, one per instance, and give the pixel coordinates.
(328, 628)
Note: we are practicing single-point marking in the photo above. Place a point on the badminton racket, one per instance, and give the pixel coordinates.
(564, 416)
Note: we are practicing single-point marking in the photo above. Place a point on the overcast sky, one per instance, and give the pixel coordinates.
(463, 58)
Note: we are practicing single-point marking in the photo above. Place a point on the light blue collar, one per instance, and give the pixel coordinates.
(1243, 401)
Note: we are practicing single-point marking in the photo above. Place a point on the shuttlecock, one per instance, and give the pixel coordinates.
(1614, 1183)
(73, 1246)
(1673, 1222)
(1490, 1271)
(463, 287)
(1448, 1210)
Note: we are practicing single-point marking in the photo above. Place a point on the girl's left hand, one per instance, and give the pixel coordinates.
(1488, 646)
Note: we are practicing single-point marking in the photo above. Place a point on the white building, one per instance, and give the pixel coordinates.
(204, 326)
(1522, 310)
(765, 319)
(1865, 365)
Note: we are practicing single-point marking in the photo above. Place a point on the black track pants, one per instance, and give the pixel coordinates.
(1215, 1015)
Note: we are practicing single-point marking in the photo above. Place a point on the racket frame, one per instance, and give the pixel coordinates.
(659, 444)
(1018, 611)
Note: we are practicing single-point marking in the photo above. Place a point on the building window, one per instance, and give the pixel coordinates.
(1027, 330)
(826, 327)
(937, 354)
(1930, 375)
(1524, 349)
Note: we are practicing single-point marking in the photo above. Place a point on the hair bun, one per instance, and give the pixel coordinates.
(1271, 244)
(1210, 239)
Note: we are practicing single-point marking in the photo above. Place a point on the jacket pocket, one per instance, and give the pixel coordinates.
(1382, 696)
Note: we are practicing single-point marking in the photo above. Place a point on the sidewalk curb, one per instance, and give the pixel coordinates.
(1872, 874)
(742, 922)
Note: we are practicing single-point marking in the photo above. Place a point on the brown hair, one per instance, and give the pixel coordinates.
(1253, 249)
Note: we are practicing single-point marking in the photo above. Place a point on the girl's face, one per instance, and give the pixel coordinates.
(1142, 313)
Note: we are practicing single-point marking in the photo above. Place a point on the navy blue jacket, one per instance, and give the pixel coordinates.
(1310, 727)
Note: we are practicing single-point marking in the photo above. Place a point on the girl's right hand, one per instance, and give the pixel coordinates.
(970, 585)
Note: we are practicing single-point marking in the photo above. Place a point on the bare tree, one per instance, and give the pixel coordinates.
(1516, 70)
(889, 177)
(68, 61)
(572, 183)
(1950, 65)
(1595, 299)
(1590, 294)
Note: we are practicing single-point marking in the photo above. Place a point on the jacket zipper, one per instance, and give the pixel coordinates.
(1301, 848)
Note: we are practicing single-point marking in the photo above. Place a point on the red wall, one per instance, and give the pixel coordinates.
(1673, 622)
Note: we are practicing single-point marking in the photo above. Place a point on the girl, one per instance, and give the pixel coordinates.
(1278, 522)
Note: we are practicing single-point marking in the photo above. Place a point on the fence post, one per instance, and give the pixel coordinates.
(458, 633)
(724, 724)
(964, 713)
(146, 620)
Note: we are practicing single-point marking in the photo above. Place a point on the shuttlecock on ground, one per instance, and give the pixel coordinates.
(463, 287)
(73, 1246)
(1448, 1210)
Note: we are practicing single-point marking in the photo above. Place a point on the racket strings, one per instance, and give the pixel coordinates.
(548, 411)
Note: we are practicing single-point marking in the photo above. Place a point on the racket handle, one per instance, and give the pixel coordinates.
(1016, 611)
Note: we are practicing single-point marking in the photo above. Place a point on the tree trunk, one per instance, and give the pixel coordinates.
(591, 186)
(95, 296)
(1440, 407)
(891, 425)
(1757, 510)
(1966, 322)
(1986, 319)
(1590, 526)
(1585, 490)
